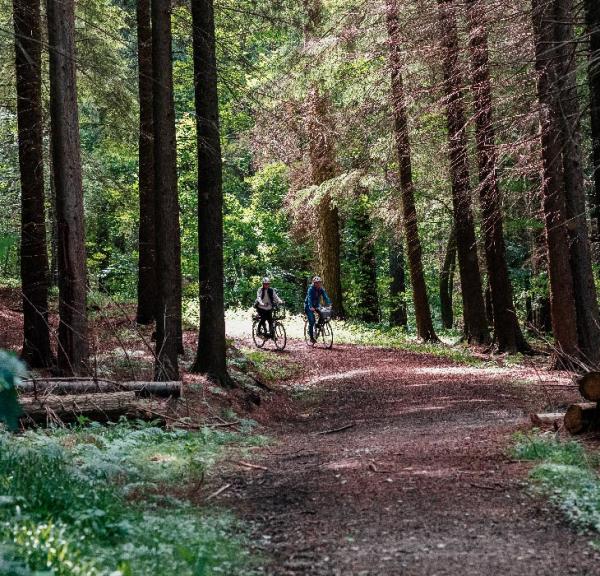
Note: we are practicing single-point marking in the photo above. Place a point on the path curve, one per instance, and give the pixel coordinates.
(420, 483)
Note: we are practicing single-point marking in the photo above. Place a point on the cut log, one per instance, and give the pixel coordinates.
(553, 419)
(83, 386)
(582, 417)
(101, 407)
(589, 386)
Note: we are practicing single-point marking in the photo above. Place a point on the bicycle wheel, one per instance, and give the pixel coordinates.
(307, 335)
(259, 338)
(280, 337)
(326, 335)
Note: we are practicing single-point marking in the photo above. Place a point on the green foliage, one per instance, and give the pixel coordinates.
(548, 449)
(566, 476)
(95, 501)
(11, 371)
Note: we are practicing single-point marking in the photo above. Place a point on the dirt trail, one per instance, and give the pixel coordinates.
(419, 485)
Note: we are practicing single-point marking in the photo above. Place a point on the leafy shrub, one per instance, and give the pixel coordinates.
(91, 501)
(11, 370)
(566, 476)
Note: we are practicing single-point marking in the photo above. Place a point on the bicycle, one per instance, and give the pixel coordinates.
(260, 334)
(322, 331)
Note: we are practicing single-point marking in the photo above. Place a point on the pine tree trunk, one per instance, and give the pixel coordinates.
(507, 332)
(586, 302)
(367, 266)
(211, 355)
(592, 18)
(66, 166)
(447, 281)
(146, 287)
(168, 264)
(562, 301)
(476, 326)
(423, 319)
(398, 315)
(34, 255)
(323, 167)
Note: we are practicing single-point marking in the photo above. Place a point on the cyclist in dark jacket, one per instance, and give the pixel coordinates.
(312, 303)
(266, 300)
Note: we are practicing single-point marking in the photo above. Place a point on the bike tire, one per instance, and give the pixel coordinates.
(280, 338)
(259, 341)
(327, 335)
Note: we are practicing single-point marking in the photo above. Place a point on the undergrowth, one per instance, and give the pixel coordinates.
(94, 501)
(566, 475)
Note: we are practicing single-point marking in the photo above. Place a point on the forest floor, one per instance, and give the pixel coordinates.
(383, 461)
(419, 483)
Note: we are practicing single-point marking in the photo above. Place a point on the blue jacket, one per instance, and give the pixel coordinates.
(313, 297)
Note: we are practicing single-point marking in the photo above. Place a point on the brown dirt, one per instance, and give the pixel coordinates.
(419, 485)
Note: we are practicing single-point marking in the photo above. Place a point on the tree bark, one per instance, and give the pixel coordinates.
(34, 254)
(476, 326)
(398, 315)
(211, 354)
(423, 319)
(562, 301)
(168, 263)
(323, 167)
(367, 265)
(146, 287)
(507, 332)
(592, 19)
(66, 166)
(584, 289)
(447, 281)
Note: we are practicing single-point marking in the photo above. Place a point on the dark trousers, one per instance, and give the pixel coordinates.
(265, 315)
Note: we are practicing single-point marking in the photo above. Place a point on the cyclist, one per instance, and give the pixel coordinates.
(312, 303)
(266, 299)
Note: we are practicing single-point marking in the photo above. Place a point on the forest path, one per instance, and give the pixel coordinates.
(420, 484)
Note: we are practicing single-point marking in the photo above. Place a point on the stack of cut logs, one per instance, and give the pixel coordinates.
(585, 416)
(66, 400)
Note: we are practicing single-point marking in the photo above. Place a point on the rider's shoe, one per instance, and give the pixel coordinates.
(313, 340)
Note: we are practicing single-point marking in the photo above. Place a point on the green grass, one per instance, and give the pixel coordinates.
(272, 367)
(566, 475)
(101, 501)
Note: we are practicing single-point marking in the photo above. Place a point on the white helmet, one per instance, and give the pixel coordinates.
(266, 280)
(316, 279)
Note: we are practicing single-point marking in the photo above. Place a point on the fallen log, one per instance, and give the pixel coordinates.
(547, 419)
(57, 386)
(589, 386)
(582, 417)
(101, 407)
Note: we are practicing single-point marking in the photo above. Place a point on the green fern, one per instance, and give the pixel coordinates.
(11, 371)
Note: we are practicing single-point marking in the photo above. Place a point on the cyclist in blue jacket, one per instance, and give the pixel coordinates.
(312, 303)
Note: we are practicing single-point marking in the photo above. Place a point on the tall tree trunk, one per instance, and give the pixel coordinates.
(323, 167)
(398, 315)
(592, 19)
(507, 331)
(146, 287)
(211, 355)
(66, 166)
(447, 281)
(413, 245)
(586, 302)
(168, 263)
(367, 265)
(562, 301)
(476, 326)
(34, 255)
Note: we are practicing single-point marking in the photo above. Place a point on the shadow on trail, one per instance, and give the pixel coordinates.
(419, 484)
